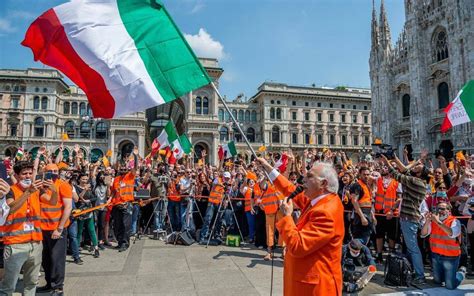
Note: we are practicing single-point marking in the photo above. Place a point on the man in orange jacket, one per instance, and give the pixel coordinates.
(313, 257)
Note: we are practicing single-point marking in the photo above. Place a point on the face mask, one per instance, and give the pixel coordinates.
(354, 254)
(26, 183)
(441, 194)
(442, 218)
(54, 177)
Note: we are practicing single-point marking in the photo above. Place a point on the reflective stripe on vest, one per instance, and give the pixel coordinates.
(270, 200)
(385, 198)
(441, 243)
(366, 200)
(247, 197)
(217, 193)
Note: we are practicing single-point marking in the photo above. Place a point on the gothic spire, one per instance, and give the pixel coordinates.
(385, 38)
(375, 27)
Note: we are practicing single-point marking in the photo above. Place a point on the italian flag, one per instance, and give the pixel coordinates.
(461, 109)
(19, 153)
(181, 146)
(227, 150)
(126, 55)
(167, 136)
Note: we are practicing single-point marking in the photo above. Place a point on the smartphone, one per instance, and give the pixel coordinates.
(39, 177)
(3, 171)
(48, 176)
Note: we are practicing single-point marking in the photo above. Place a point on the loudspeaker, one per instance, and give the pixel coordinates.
(180, 238)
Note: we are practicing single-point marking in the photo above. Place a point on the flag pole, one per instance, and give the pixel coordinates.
(238, 126)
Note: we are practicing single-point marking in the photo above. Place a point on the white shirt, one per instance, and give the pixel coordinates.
(4, 210)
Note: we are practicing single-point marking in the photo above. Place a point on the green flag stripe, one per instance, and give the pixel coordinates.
(467, 99)
(171, 132)
(169, 60)
(185, 143)
(232, 148)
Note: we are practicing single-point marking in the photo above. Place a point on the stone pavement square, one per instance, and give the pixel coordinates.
(152, 267)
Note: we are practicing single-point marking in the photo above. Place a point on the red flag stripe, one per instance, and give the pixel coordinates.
(48, 41)
(446, 125)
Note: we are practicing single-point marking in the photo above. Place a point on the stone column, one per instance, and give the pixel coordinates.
(141, 143)
(213, 159)
(112, 145)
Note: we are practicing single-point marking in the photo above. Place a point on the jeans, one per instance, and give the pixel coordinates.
(211, 209)
(174, 212)
(251, 223)
(410, 232)
(159, 210)
(135, 214)
(187, 221)
(72, 236)
(16, 256)
(444, 270)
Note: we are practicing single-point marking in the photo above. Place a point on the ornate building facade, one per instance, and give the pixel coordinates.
(414, 80)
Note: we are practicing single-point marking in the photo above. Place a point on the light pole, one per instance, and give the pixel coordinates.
(91, 121)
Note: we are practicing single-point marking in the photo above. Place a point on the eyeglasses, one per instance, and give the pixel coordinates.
(442, 209)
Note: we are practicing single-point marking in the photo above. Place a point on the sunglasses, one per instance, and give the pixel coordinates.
(442, 209)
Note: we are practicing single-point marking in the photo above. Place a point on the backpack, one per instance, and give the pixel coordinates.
(397, 271)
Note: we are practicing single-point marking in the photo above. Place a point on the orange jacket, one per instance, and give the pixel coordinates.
(217, 193)
(24, 225)
(51, 215)
(441, 243)
(270, 200)
(385, 198)
(123, 188)
(366, 200)
(173, 193)
(313, 259)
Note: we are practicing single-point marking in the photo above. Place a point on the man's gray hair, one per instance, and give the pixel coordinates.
(328, 173)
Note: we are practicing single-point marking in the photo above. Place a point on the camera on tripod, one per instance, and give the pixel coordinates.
(383, 149)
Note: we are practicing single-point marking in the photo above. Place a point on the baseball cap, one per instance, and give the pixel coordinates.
(355, 244)
(226, 175)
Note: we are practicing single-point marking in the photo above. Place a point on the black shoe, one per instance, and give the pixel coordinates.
(123, 248)
(44, 289)
(101, 247)
(57, 292)
(78, 261)
(419, 281)
(96, 253)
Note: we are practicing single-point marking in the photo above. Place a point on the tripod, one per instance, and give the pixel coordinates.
(160, 201)
(220, 214)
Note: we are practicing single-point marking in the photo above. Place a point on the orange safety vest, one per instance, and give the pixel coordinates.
(51, 214)
(217, 193)
(366, 200)
(441, 243)
(24, 225)
(270, 200)
(385, 198)
(173, 193)
(247, 197)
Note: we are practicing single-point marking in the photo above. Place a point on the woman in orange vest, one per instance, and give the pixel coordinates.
(21, 232)
(445, 234)
(361, 197)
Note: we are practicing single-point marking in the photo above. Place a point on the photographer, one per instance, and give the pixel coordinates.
(159, 184)
(358, 265)
(187, 186)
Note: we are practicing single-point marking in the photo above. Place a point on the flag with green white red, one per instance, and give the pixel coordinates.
(227, 150)
(181, 146)
(19, 154)
(461, 109)
(126, 55)
(167, 136)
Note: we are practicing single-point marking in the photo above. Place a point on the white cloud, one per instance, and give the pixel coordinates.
(198, 6)
(205, 46)
(6, 26)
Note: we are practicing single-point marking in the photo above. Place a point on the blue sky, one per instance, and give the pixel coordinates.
(298, 42)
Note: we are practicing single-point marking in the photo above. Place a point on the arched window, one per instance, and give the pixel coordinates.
(234, 113)
(96, 154)
(251, 135)
(66, 108)
(101, 130)
(224, 134)
(247, 115)
(254, 116)
(39, 127)
(82, 109)
(69, 129)
(272, 113)
(440, 45)
(278, 113)
(205, 105)
(443, 95)
(406, 105)
(221, 115)
(89, 110)
(226, 115)
(241, 115)
(36, 103)
(275, 134)
(44, 103)
(198, 105)
(237, 135)
(74, 108)
(85, 129)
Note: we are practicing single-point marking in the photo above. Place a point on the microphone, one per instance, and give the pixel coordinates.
(297, 191)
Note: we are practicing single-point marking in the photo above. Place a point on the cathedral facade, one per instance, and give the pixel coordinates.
(413, 80)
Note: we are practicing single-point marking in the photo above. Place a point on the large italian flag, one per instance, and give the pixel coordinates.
(126, 55)
(461, 109)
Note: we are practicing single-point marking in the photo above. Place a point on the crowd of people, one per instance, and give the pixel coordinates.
(59, 206)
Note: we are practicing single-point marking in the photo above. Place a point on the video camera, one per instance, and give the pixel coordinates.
(383, 149)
